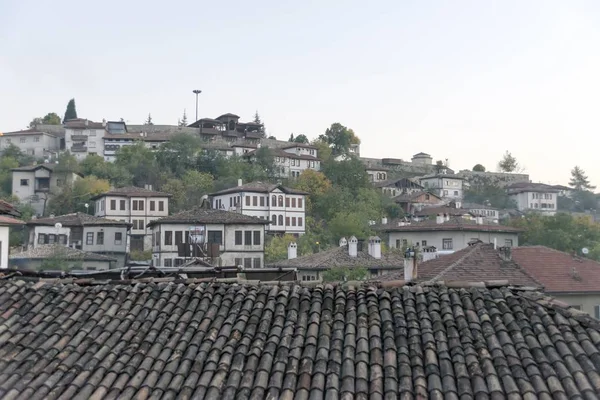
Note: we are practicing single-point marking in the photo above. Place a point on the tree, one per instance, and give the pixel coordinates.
(291, 139)
(49, 119)
(148, 121)
(339, 138)
(183, 121)
(579, 180)
(509, 164)
(73, 197)
(479, 168)
(178, 154)
(6, 165)
(12, 151)
(349, 173)
(323, 149)
(257, 120)
(95, 165)
(313, 182)
(140, 162)
(71, 112)
(344, 274)
(301, 139)
(187, 192)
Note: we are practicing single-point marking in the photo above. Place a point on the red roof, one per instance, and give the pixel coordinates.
(559, 272)
(4, 220)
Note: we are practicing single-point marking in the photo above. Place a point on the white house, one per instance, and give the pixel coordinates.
(32, 142)
(34, 184)
(447, 186)
(83, 232)
(536, 197)
(137, 206)
(489, 214)
(291, 161)
(285, 208)
(222, 237)
(448, 234)
(84, 137)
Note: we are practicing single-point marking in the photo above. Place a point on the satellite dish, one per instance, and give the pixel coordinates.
(585, 250)
(58, 225)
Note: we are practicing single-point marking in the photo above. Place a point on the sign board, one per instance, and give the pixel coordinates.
(197, 234)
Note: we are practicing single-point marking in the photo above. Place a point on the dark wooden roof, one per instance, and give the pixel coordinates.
(258, 187)
(132, 191)
(76, 219)
(228, 341)
(201, 215)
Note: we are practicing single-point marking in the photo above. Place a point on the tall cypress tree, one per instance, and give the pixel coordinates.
(71, 112)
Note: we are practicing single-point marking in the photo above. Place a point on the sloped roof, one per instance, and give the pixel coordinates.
(4, 220)
(398, 182)
(258, 187)
(82, 123)
(411, 196)
(76, 219)
(432, 211)
(477, 263)
(339, 257)
(520, 187)
(559, 272)
(199, 215)
(222, 341)
(46, 251)
(282, 153)
(27, 132)
(29, 168)
(132, 191)
(8, 209)
(454, 224)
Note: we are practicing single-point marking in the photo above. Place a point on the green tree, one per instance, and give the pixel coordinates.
(345, 274)
(579, 180)
(323, 149)
(349, 173)
(179, 154)
(49, 119)
(12, 151)
(187, 192)
(71, 112)
(140, 162)
(339, 138)
(95, 165)
(257, 120)
(277, 248)
(509, 163)
(6, 165)
(479, 168)
(148, 120)
(301, 139)
(73, 197)
(183, 121)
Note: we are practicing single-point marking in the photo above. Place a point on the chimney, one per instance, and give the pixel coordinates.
(439, 219)
(479, 220)
(292, 250)
(343, 242)
(505, 253)
(495, 244)
(384, 221)
(446, 217)
(375, 247)
(239, 182)
(353, 247)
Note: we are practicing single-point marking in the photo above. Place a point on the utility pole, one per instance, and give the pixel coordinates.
(196, 92)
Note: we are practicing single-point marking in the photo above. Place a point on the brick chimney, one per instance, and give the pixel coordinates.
(375, 247)
(292, 250)
(353, 247)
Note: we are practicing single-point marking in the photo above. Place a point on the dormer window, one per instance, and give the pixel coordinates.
(232, 125)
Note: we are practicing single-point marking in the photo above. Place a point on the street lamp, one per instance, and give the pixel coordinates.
(196, 92)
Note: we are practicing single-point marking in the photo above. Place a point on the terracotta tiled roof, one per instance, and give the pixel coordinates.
(8, 209)
(302, 145)
(4, 220)
(433, 211)
(222, 341)
(454, 224)
(559, 272)
(414, 195)
(258, 187)
(476, 263)
(82, 123)
(132, 191)
(339, 257)
(201, 215)
(47, 251)
(76, 219)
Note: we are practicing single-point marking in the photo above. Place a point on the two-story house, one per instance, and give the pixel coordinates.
(396, 187)
(83, 232)
(284, 207)
(36, 183)
(448, 234)
(32, 142)
(489, 214)
(447, 186)
(536, 197)
(84, 137)
(291, 161)
(137, 206)
(221, 237)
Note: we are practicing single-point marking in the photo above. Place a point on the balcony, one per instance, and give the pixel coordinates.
(78, 149)
(42, 184)
(79, 138)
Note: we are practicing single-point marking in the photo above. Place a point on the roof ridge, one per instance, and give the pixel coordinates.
(454, 264)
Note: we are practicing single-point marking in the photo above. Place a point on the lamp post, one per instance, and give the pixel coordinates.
(196, 92)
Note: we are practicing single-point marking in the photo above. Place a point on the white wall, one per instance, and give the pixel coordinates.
(4, 246)
(532, 201)
(39, 145)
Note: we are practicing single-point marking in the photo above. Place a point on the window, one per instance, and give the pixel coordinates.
(280, 201)
(89, 238)
(152, 205)
(161, 205)
(134, 205)
(247, 200)
(274, 201)
(445, 193)
(426, 197)
(248, 238)
(36, 139)
(300, 202)
(256, 235)
(398, 243)
(274, 219)
(238, 262)
(293, 221)
(141, 205)
(113, 204)
(42, 238)
(238, 238)
(294, 203)
(247, 263)
(424, 243)
(122, 205)
(456, 192)
(287, 202)
(118, 238)
(447, 244)
(299, 221)
(62, 239)
(168, 238)
(256, 262)
(287, 221)
(138, 205)
(508, 242)
(156, 238)
(254, 201)
(281, 220)
(100, 238)
(23, 140)
(178, 262)
(24, 182)
(168, 262)
(535, 205)
(215, 237)
(262, 201)
(52, 239)
(178, 237)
